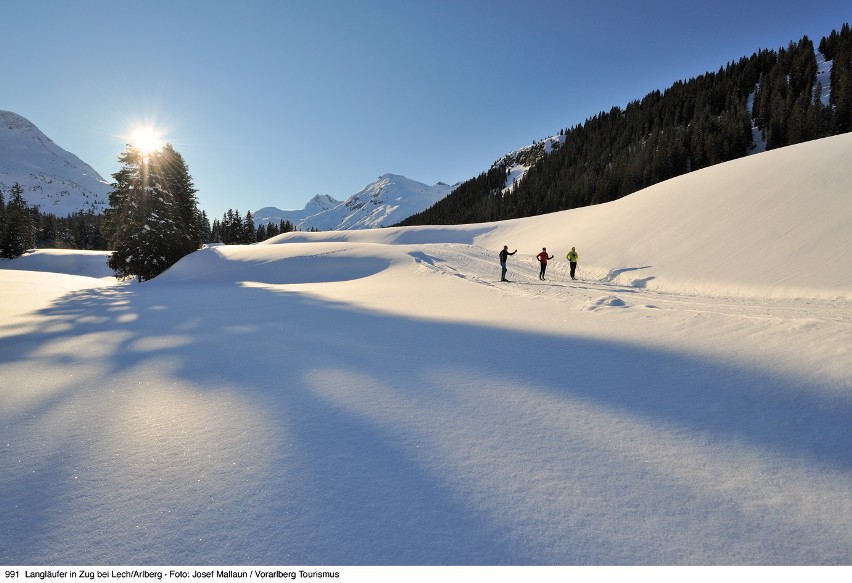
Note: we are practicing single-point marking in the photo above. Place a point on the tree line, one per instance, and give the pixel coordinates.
(30, 228)
(772, 98)
(23, 227)
(234, 229)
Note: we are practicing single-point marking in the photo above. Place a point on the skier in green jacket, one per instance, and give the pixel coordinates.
(572, 258)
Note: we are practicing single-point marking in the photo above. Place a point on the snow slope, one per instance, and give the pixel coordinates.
(377, 397)
(75, 262)
(52, 178)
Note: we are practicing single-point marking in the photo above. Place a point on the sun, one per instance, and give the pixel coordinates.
(146, 140)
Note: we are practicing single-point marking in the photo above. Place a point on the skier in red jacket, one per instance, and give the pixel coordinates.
(542, 258)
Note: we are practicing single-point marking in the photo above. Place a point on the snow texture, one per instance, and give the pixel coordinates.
(378, 397)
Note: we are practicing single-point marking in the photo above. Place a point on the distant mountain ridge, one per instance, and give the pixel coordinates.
(317, 205)
(52, 178)
(388, 200)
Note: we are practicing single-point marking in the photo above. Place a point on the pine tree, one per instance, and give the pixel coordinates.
(272, 230)
(206, 229)
(216, 231)
(2, 212)
(86, 231)
(18, 232)
(231, 227)
(237, 226)
(46, 231)
(249, 231)
(180, 186)
(149, 228)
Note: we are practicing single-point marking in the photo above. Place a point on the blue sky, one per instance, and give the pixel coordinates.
(272, 102)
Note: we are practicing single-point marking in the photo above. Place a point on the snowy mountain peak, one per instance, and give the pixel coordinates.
(52, 178)
(520, 161)
(14, 122)
(322, 202)
(388, 200)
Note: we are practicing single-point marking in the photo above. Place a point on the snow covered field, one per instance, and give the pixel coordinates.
(380, 398)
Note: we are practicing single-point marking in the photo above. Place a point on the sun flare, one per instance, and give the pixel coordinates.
(146, 140)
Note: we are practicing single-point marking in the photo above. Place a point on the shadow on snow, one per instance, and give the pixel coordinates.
(325, 371)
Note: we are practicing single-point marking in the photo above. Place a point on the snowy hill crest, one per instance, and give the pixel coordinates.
(52, 178)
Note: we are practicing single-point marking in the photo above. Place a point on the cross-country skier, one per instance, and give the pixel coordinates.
(504, 257)
(542, 259)
(572, 258)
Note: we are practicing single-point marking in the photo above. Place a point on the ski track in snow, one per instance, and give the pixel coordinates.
(481, 266)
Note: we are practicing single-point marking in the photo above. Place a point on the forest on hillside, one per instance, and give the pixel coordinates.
(772, 97)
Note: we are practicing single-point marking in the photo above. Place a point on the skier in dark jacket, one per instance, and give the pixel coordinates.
(542, 259)
(504, 257)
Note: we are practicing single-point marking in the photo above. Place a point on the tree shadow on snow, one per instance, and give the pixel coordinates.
(367, 403)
